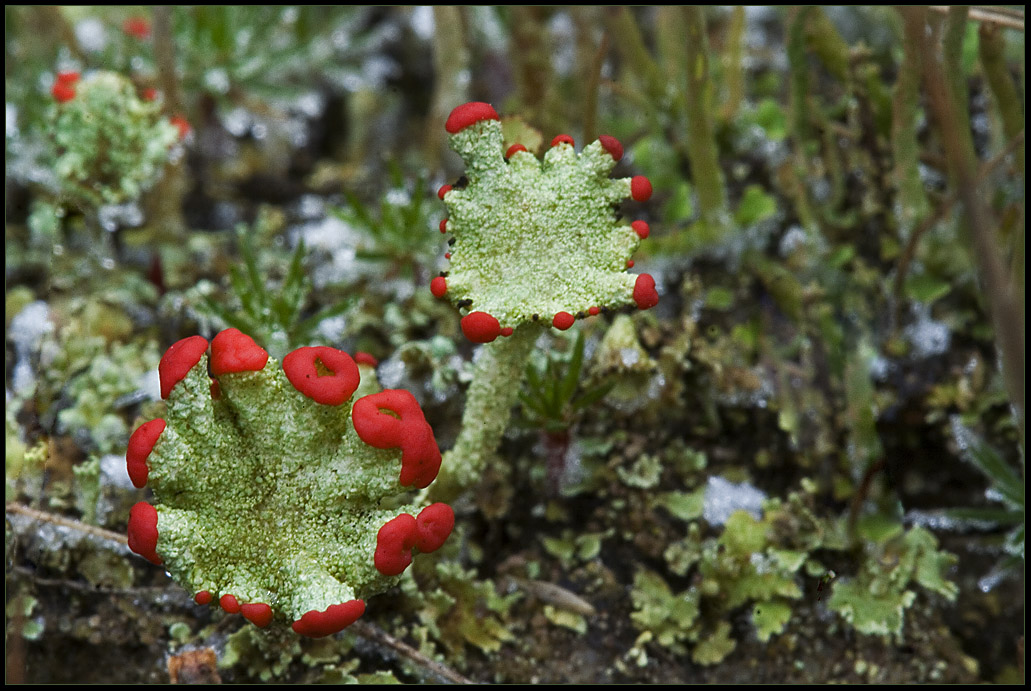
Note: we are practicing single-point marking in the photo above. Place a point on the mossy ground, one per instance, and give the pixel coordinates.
(812, 340)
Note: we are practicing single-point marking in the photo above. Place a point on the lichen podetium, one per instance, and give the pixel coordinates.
(536, 239)
(533, 243)
(272, 486)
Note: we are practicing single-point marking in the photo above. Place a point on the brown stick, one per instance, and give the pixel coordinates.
(1012, 19)
(375, 634)
(55, 519)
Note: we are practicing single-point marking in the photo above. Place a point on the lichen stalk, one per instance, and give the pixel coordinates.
(497, 377)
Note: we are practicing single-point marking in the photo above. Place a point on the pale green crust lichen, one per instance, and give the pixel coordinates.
(263, 494)
(534, 239)
(109, 145)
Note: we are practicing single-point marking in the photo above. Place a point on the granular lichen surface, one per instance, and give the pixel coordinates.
(537, 240)
(272, 502)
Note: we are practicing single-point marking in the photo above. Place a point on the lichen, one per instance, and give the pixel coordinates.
(278, 496)
(109, 145)
(537, 240)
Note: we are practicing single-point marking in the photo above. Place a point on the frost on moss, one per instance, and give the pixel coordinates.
(278, 495)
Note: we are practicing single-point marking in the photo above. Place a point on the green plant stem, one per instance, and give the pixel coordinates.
(532, 56)
(631, 46)
(826, 43)
(912, 199)
(955, 78)
(497, 377)
(451, 66)
(992, 48)
(1004, 304)
(701, 139)
(733, 65)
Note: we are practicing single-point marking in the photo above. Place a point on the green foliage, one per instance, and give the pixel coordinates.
(274, 315)
(875, 601)
(747, 563)
(464, 610)
(267, 52)
(400, 235)
(1006, 488)
(669, 616)
(552, 395)
(115, 372)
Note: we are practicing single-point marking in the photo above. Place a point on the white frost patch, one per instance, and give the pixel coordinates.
(421, 21)
(722, 498)
(927, 336)
(91, 34)
(114, 472)
(26, 331)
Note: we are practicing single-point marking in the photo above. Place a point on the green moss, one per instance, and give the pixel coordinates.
(875, 601)
(670, 617)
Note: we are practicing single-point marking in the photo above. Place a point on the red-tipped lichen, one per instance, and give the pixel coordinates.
(179, 359)
(141, 443)
(469, 114)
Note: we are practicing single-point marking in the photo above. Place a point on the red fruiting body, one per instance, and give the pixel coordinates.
(137, 27)
(182, 124)
(447, 255)
(257, 613)
(234, 351)
(629, 263)
(443, 225)
(62, 92)
(480, 327)
(409, 431)
(394, 543)
(444, 189)
(563, 320)
(203, 597)
(515, 148)
(150, 94)
(594, 311)
(641, 228)
(438, 286)
(562, 139)
(469, 114)
(645, 294)
(69, 77)
(229, 603)
(143, 531)
(330, 389)
(361, 358)
(612, 145)
(507, 331)
(335, 618)
(141, 443)
(399, 535)
(640, 188)
(179, 359)
(434, 525)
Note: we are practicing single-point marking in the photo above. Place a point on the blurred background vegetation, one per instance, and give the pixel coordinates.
(837, 233)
